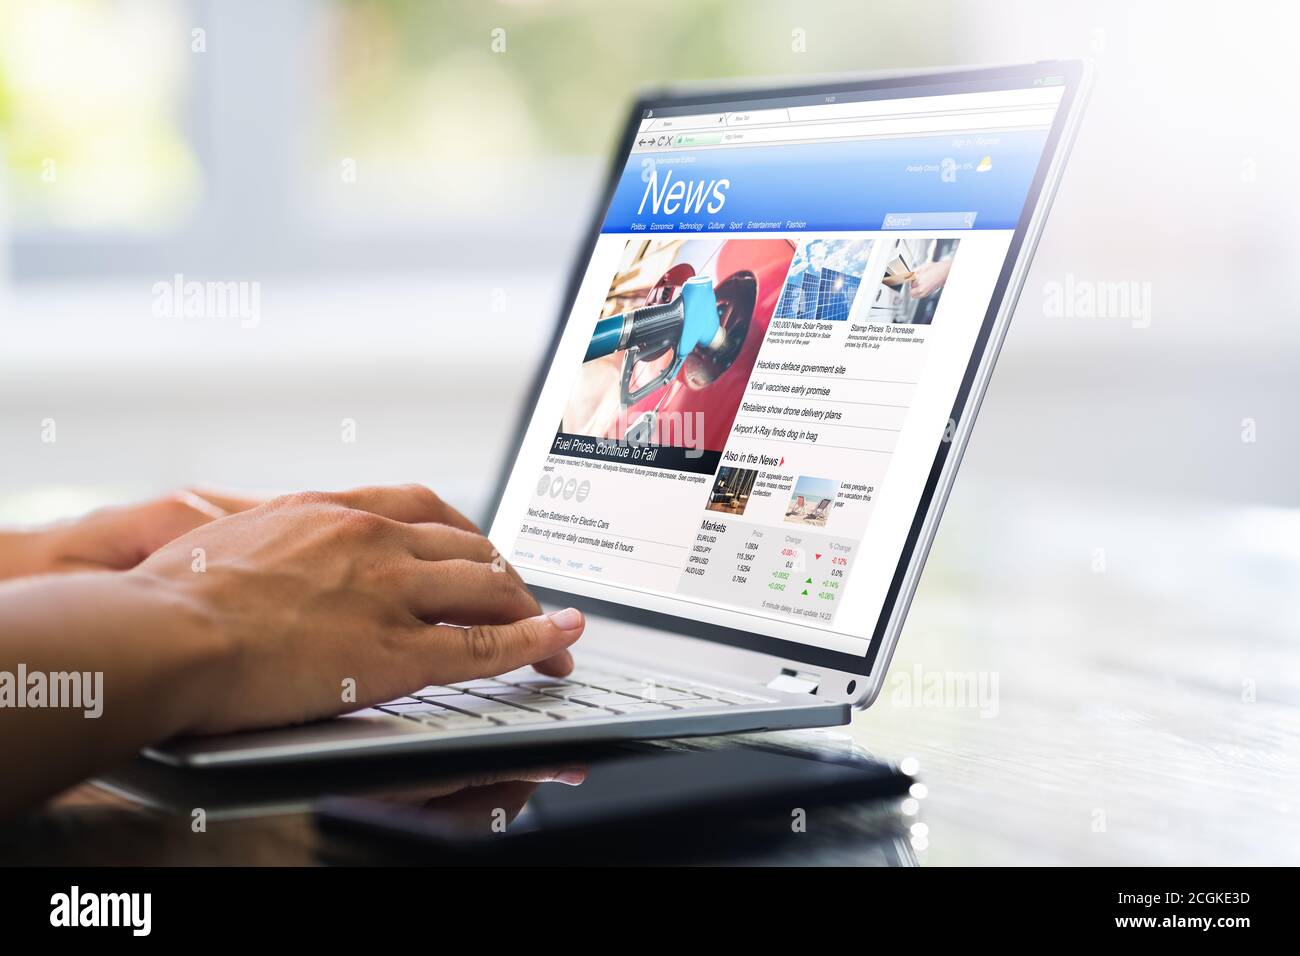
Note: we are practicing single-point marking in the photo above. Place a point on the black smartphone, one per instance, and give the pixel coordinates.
(631, 790)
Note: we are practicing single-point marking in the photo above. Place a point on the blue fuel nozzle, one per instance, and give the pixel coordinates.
(688, 322)
(700, 326)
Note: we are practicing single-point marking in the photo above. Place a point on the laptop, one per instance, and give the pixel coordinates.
(737, 450)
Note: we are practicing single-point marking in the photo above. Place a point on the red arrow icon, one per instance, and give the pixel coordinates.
(819, 557)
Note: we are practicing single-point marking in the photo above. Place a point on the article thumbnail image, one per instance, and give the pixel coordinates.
(731, 489)
(811, 501)
(634, 385)
(916, 271)
(824, 279)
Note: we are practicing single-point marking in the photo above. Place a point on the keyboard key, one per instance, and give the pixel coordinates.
(601, 700)
(597, 679)
(576, 712)
(640, 707)
(453, 724)
(538, 683)
(451, 718)
(516, 694)
(538, 702)
(470, 704)
(488, 691)
(509, 717)
(369, 712)
(575, 691)
(594, 673)
(410, 707)
(437, 718)
(676, 683)
(434, 690)
(663, 695)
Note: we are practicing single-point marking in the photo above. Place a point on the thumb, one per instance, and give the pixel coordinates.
(486, 650)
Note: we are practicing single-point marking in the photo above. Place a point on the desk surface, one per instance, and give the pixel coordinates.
(1085, 683)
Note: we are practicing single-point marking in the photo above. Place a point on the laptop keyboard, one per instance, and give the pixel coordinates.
(528, 698)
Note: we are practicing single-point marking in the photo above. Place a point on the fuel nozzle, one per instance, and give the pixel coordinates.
(688, 322)
(700, 326)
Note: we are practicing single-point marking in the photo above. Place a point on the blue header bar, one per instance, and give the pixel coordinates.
(937, 182)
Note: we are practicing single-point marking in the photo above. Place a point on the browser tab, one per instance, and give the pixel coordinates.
(757, 117)
(703, 121)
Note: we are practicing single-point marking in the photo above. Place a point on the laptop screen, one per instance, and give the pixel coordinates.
(764, 353)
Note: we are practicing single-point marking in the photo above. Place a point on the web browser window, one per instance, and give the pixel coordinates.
(762, 358)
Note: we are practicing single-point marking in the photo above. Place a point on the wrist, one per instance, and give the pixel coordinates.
(195, 656)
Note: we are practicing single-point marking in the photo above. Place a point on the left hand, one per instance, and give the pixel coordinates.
(118, 538)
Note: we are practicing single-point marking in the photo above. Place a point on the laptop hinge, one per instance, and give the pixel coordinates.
(794, 682)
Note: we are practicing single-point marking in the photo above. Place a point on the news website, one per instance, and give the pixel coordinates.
(762, 358)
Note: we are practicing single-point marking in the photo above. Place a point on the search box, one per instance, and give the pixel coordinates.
(928, 220)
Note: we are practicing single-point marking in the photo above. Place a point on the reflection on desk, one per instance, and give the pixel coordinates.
(148, 813)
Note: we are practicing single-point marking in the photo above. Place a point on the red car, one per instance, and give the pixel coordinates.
(748, 276)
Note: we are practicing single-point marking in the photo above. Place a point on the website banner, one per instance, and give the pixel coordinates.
(830, 187)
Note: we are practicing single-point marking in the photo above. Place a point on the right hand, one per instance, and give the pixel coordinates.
(930, 278)
(388, 587)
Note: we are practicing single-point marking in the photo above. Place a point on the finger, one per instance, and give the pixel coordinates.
(408, 503)
(231, 502)
(120, 538)
(430, 541)
(440, 542)
(559, 665)
(465, 592)
(149, 526)
(451, 654)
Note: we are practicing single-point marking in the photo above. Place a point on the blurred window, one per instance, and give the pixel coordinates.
(91, 100)
(231, 136)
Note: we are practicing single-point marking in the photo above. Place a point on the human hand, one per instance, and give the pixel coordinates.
(930, 277)
(383, 589)
(117, 538)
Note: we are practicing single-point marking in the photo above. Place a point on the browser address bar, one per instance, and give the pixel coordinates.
(856, 129)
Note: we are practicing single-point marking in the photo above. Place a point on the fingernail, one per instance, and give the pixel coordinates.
(570, 619)
(572, 777)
